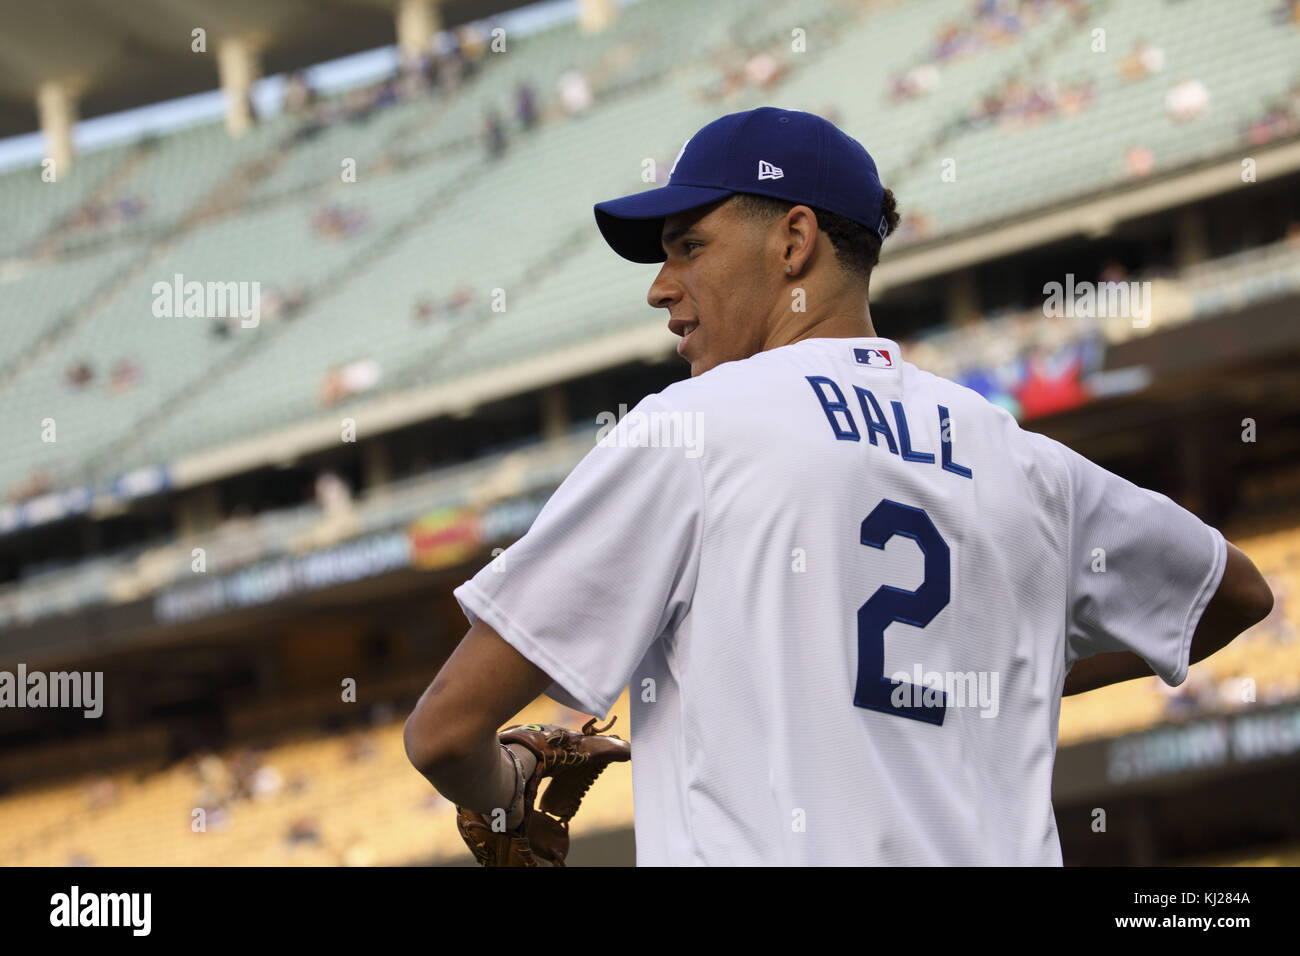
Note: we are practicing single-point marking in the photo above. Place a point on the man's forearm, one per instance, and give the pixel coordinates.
(483, 779)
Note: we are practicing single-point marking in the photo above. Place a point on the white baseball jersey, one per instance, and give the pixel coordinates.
(845, 593)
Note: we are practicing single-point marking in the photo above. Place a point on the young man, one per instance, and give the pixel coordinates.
(808, 685)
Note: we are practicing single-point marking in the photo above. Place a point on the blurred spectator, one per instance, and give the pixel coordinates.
(294, 300)
(339, 222)
(266, 783)
(96, 213)
(79, 374)
(215, 779)
(332, 493)
(224, 326)
(473, 47)
(575, 93)
(1138, 161)
(912, 83)
(298, 93)
(1281, 118)
(36, 484)
(303, 830)
(526, 104)
(1113, 271)
(424, 310)
(913, 226)
(125, 373)
(494, 134)
(1144, 60)
(1186, 100)
(416, 74)
(360, 103)
(449, 62)
(763, 71)
(460, 298)
(101, 792)
(244, 763)
(386, 94)
(360, 747)
(344, 381)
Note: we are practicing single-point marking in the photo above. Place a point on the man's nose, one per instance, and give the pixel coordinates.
(664, 291)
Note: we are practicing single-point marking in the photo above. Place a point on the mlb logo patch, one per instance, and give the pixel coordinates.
(876, 358)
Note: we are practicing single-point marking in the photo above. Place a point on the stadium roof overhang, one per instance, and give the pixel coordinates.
(121, 55)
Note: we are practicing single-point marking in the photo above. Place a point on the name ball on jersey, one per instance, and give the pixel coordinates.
(898, 438)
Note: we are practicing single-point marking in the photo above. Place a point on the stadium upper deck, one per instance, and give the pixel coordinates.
(1034, 113)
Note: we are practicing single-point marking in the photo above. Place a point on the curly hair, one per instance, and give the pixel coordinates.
(857, 248)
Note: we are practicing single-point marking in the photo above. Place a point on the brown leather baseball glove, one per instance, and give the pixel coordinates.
(572, 761)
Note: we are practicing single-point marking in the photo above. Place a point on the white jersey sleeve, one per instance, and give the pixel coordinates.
(608, 565)
(1141, 570)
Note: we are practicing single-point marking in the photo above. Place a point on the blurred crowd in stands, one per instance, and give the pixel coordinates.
(346, 380)
(123, 374)
(425, 311)
(1023, 102)
(741, 68)
(1279, 118)
(1202, 693)
(334, 221)
(98, 213)
(991, 24)
(453, 58)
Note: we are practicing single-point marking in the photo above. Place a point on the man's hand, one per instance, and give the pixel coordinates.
(539, 834)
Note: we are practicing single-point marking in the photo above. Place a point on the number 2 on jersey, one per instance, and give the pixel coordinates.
(918, 608)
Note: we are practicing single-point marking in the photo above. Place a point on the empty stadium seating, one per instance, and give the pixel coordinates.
(437, 216)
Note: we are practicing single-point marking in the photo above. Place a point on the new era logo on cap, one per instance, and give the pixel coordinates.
(876, 358)
(767, 171)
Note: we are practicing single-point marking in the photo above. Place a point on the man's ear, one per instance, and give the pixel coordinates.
(799, 236)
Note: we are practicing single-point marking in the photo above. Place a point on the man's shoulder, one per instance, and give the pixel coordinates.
(1033, 450)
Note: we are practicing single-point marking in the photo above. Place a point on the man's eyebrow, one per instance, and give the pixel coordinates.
(672, 235)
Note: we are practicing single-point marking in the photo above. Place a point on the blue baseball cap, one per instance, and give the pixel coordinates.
(786, 154)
